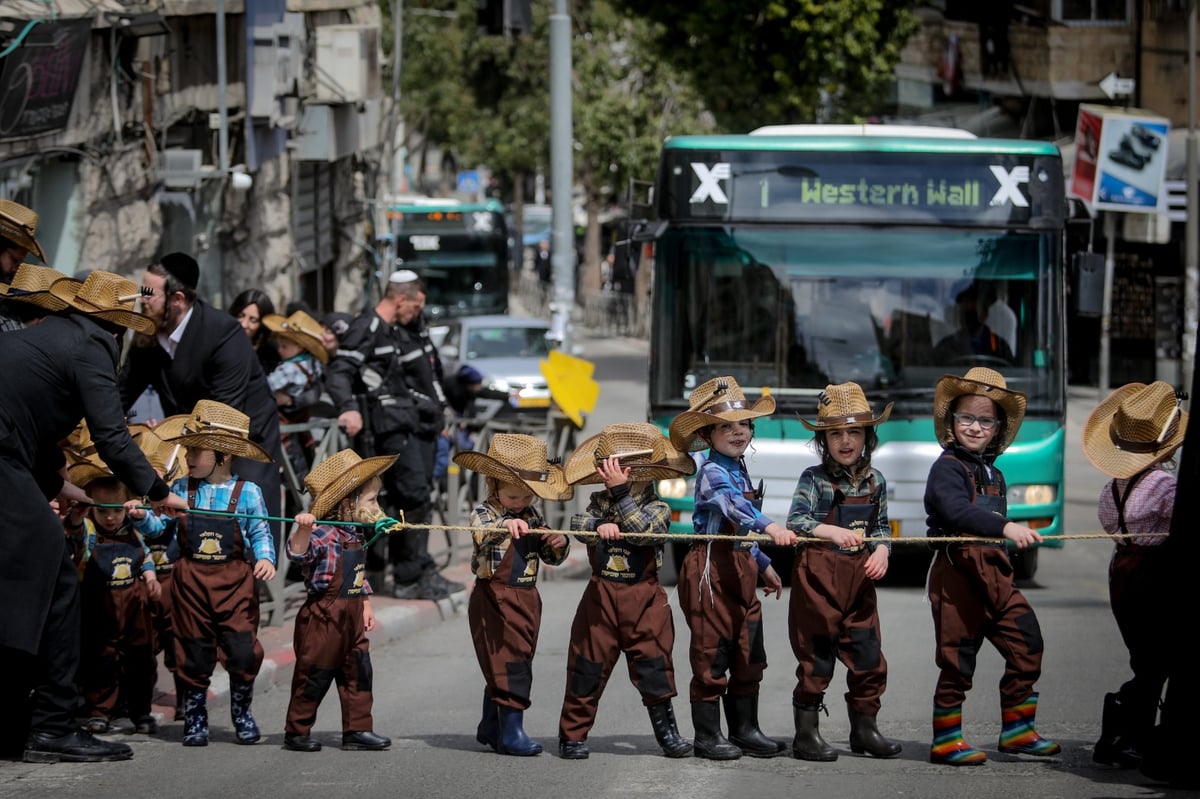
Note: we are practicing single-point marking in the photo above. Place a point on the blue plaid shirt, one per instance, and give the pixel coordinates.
(216, 497)
(720, 487)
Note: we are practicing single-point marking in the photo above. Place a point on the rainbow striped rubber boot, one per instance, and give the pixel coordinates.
(948, 744)
(1018, 735)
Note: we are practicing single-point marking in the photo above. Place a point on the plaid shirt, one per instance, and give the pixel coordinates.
(323, 558)
(1147, 509)
(216, 497)
(84, 541)
(643, 513)
(490, 545)
(295, 374)
(720, 495)
(814, 497)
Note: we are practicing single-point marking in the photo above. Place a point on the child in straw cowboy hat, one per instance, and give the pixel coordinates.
(331, 628)
(971, 590)
(718, 578)
(623, 607)
(297, 379)
(1132, 436)
(214, 599)
(834, 611)
(118, 582)
(505, 609)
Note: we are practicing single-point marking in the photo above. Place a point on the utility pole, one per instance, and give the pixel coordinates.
(561, 174)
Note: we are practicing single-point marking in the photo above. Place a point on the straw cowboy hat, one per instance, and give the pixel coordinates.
(982, 382)
(19, 224)
(78, 445)
(300, 329)
(715, 401)
(516, 458)
(844, 405)
(106, 296)
(31, 283)
(163, 457)
(1134, 428)
(87, 471)
(216, 426)
(339, 476)
(642, 447)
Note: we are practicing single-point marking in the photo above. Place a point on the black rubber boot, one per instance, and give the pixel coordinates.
(488, 731)
(742, 714)
(666, 732)
(710, 743)
(865, 737)
(808, 743)
(1115, 747)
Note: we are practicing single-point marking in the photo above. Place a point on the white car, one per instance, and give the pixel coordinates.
(506, 351)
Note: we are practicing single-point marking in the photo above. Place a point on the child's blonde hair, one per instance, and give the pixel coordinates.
(347, 509)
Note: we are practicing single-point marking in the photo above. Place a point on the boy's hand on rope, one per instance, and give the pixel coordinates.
(609, 531)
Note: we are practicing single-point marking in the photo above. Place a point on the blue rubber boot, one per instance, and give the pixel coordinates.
(488, 732)
(240, 696)
(512, 739)
(195, 717)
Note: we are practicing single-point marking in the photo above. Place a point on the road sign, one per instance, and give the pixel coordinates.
(468, 182)
(1114, 86)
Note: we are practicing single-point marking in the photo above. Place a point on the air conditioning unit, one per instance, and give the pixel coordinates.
(347, 63)
(181, 169)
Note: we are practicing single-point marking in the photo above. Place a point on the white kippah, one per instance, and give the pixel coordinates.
(403, 276)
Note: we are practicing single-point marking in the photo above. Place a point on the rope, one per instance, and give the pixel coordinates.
(389, 526)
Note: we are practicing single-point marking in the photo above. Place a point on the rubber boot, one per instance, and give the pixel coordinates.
(1018, 735)
(195, 717)
(1115, 747)
(488, 731)
(512, 739)
(808, 743)
(666, 732)
(742, 714)
(865, 737)
(948, 744)
(241, 694)
(710, 743)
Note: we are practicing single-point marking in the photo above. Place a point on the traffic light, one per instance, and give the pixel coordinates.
(498, 17)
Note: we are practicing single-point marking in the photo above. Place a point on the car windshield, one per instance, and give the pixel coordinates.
(507, 342)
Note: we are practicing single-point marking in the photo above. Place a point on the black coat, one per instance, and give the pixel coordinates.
(55, 373)
(215, 361)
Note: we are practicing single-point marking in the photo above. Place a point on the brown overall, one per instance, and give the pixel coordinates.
(623, 609)
(833, 612)
(331, 646)
(717, 594)
(973, 598)
(164, 551)
(214, 600)
(117, 663)
(505, 614)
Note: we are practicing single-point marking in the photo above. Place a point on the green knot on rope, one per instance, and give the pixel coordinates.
(386, 526)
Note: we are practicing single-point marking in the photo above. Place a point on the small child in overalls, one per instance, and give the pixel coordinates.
(971, 589)
(331, 628)
(297, 380)
(117, 664)
(834, 611)
(623, 608)
(214, 600)
(718, 579)
(1132, 436)
(505, 608)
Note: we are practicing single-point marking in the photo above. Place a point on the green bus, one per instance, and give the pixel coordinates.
(799, 256)
(460, 250)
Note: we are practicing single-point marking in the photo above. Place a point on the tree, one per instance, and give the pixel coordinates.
(759, 62)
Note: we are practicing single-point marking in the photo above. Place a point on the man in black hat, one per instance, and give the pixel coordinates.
(198, 353)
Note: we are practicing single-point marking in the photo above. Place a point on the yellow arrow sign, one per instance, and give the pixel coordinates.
(571, 384)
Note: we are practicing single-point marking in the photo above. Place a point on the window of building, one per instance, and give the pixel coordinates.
(1093, 12)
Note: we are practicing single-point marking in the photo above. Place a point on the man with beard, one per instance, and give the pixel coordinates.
(200, 352)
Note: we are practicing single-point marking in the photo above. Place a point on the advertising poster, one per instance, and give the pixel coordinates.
(1087, 148)
(1131, 163)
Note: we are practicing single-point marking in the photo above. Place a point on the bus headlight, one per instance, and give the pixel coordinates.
(1035, 494)
(675, 488)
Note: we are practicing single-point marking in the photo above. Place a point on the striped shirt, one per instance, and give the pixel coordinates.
(1147, 509)
(720, 495)
(491, 545)
(323, 557)
(216, 497)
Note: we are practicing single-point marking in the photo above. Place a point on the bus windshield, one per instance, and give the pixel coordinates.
(461, 254)
(793, 309)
